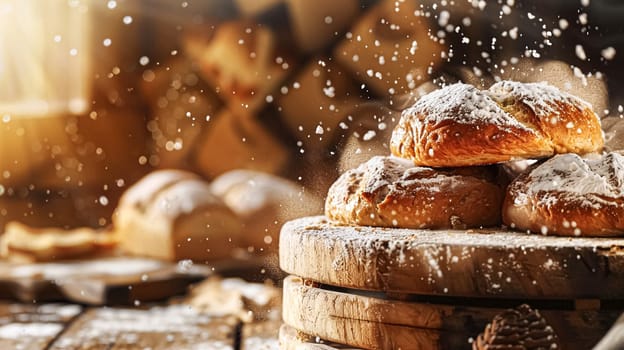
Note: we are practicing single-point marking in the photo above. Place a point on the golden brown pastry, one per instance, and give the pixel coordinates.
(569, 195)
(27, 244)
(173, 215)
(461, 125)
(392, 192)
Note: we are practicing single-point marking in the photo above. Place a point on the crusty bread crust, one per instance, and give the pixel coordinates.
(570, 196)
(174, 215)
(461, 125)
(391, 192)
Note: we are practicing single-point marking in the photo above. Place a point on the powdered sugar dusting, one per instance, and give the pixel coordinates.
(143, 191)
(543, 99)
(379, 177)
(383, 172)
(436, 261)
(464, 104)
(17, 331)
(173, 327)
(590, 179)
(182, 198)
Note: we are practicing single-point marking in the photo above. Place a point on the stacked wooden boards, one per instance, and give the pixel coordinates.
(384, 288)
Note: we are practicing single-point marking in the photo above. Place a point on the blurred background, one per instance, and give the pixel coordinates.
(96, 94)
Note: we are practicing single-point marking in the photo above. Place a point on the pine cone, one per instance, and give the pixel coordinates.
(521, 328)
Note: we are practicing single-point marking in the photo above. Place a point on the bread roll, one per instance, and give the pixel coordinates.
(569, 195)
(392, 192)
(264, 203)
(461, 125)
(173, 215)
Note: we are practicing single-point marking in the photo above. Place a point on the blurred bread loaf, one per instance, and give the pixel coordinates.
(173, 215)
(243, 61)
(264, 203)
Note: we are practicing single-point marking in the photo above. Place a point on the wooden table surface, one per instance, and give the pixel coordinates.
(73, 327)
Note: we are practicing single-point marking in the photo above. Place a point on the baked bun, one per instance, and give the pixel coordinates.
(569, 195)
(392, 192)
(173, 215)
(461, 125)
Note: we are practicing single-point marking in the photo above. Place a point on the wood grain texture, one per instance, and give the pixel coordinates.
(292, 339)
(348, 319)
(102, 281)
(33, 327)
(157, 328)
(472, 263)
(260, 335)
(334, 315)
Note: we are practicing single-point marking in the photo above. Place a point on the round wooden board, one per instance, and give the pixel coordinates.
(373, 323)
(472, 263)
(292, 339)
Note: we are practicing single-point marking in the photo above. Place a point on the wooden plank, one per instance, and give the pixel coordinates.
(33, 327)
(111, 280)
(471, 263)
(292, 339)
(157, 328)
(260, 335)
(332, 315)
